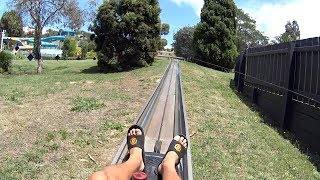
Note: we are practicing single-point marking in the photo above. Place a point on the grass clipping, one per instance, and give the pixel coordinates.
(81, 104)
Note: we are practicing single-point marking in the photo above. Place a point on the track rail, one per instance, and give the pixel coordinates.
(162, 117)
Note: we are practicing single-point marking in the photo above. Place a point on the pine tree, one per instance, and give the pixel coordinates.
(214, 36)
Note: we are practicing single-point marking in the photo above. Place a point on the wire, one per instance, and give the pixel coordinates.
(280, 87)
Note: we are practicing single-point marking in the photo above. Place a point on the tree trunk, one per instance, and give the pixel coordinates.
(37, 47)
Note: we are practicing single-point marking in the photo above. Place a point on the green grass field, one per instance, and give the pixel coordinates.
(69, 121)
(230, 140)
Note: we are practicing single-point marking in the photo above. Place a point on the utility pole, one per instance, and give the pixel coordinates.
(1, 38)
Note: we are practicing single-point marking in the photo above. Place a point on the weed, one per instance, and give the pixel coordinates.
(81, 104)
(123, 113)
(83, 139)
(53, 147)
(113, 125)
(35, 157)
(64, 134)
(50, 136)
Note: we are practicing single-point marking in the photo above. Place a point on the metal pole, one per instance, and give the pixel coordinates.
(1, 39)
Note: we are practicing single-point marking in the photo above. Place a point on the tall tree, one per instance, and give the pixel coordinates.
(128, 33)
(182, 42)
(215, 35)
(292, 33)
(11, 21)
(247, 33)
(165, 29)
(42, 13)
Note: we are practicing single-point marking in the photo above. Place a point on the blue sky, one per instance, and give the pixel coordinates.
(271, 15)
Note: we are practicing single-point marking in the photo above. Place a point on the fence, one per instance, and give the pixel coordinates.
(284, 80)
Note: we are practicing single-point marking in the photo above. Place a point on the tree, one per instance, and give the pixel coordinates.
(84, 49)
(215, 35)
(165, 29)
(292, 33)
(127, 33)
(69, 47)
(163, 43)
(11, 21)
(182, 42)
(247, 34)
(50, 32)
(42, 13)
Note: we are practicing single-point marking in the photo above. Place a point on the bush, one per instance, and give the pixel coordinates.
(91, 55)
(69, 47)
(20, 56)
(5, 61)
(48, 57)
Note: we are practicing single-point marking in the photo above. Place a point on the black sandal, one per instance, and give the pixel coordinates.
(136, 140)
(178, 148)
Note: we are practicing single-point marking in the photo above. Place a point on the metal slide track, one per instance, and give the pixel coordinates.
(162, 117)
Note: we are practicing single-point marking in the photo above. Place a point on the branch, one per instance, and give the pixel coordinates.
(53, 13)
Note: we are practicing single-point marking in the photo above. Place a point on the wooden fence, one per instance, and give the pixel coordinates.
(284, 80)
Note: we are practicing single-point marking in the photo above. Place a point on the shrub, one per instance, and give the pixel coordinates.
(69, 47)
(20, 56)
(91, 55)
(5, 61)
(49, 57)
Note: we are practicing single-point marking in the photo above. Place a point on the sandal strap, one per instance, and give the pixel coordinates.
(178, 148)
(135, 140)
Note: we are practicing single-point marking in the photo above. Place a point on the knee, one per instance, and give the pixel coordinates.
(98, 176)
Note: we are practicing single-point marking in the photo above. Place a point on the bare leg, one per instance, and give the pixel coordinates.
(124, 170)
(167, 167)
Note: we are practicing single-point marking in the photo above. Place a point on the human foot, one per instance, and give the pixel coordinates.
(135, 142)
(176, 150)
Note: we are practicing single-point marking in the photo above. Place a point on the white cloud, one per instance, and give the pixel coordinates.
(272, 17)
(195, 4)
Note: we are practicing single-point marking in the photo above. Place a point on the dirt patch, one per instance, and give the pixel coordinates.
(71, 144)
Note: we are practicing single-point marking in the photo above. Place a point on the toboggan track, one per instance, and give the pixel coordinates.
(162, 117)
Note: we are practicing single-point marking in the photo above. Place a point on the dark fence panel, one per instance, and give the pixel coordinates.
(284, 80)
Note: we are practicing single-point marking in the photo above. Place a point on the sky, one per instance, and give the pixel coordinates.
(270, 15)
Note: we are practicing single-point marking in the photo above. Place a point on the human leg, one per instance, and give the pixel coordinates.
(168, 166)
(126, 169)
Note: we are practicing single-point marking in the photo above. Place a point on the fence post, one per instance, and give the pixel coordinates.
(289, 86)
(242, 69)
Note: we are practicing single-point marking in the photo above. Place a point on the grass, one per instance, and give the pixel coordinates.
(45, 135)
(81, 104)
(230, 140)
(42, 138)
(113, 125)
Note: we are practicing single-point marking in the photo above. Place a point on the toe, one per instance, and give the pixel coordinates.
(181, 139)
(138, 132)
(177, 138)
(184, 143)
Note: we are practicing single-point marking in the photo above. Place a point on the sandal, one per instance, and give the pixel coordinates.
(136, 140)
(178, 148)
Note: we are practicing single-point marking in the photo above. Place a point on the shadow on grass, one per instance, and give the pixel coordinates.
(96, 70)
(314, 157)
